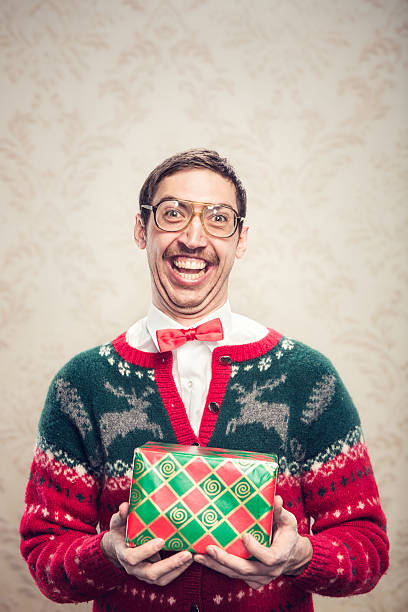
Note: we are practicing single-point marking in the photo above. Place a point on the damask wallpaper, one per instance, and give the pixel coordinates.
(308, 100)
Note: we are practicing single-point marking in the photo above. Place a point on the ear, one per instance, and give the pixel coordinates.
(140, 232)
(242, 242)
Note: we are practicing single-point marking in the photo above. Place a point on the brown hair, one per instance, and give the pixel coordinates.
(193, 158)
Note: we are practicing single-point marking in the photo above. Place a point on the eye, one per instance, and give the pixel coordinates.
(172, 213)
(220, 216)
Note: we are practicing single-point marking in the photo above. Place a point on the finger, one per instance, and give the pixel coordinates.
(277, 504)
(284, 539)
(117, 521)
(270, 556)
(242, 567)
(119, 518)
(276, 556)
(165, 570)
(123, 510)
(167, 578)
(277, 511)
(255, 582)
(184, 562)
(281, 516)
(134, 556)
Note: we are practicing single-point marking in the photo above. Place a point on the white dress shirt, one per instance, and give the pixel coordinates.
(192, 360)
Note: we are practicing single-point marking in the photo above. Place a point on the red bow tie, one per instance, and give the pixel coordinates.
(170, 339)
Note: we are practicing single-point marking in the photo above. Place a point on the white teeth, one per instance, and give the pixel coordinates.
(192, 276)
(190, 264)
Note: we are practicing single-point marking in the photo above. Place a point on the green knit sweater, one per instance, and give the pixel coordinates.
(275, 395)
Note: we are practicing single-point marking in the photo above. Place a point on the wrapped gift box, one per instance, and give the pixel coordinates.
(194, 496)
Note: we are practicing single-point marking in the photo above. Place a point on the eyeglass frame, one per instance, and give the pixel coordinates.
(154, 207)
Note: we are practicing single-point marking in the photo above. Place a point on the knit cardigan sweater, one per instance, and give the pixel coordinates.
(275, 395)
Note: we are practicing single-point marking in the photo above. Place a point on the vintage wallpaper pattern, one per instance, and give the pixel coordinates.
(309, 101)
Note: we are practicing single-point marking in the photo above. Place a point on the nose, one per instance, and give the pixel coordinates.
(194, 236)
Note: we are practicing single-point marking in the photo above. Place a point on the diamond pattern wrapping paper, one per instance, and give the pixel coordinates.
(194, 496)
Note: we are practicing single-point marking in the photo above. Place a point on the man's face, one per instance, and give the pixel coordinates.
(190, 269)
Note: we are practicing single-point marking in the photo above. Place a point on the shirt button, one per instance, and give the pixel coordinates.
(190, 384)
(213, 407)
(225, 359)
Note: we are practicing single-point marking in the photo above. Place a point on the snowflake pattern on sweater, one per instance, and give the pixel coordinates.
(275, 395)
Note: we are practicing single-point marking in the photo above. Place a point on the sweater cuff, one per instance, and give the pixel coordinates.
(321, 569)
(100, 573)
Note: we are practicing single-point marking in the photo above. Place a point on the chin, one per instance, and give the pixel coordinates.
(191, 306)
(188, 301)
(191, 300)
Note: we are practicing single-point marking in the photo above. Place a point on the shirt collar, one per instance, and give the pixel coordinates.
(156, 319)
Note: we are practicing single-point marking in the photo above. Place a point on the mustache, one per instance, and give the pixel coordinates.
(200, 252)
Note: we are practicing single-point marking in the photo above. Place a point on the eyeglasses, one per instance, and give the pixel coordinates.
(219, 220)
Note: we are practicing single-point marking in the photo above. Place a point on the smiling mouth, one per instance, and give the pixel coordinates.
(189, 268)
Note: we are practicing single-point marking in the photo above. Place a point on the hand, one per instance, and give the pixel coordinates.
(143, 562)
(289, 553)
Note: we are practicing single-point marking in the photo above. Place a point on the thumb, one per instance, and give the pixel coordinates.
(123, 510)
(281, 516)
(119, 518)
(277, 509)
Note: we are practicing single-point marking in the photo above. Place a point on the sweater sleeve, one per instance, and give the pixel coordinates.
(59, 527)
(350, 545)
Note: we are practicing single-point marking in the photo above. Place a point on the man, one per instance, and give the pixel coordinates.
(232, 383)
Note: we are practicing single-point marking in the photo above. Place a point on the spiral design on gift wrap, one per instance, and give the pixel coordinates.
(242, 489)
(175, 544)
(138, 467)
(258, 535)
(212, 487)
(135, 496)
(209, 517)
(142, 540)
(167, 468)
(178, 515)
(244, 463)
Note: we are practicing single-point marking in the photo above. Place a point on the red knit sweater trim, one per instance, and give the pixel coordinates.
(239, 352)
(221, 372)
(222, 357)
(172, 400)
(133, 355)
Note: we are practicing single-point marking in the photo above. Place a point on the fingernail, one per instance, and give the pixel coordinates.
(247, 539)
(212, 551)
(158, 542)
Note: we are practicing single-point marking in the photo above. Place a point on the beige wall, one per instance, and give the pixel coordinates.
(307, 98)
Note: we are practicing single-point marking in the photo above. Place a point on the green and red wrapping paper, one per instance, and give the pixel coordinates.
(194, 496)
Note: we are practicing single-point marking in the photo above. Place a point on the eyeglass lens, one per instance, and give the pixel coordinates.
(174, 215)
